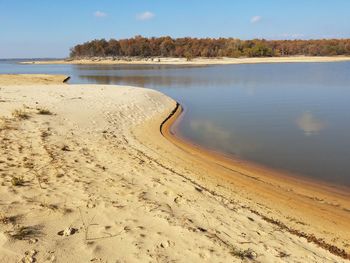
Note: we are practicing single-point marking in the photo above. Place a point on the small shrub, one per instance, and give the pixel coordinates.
(4, 219)
(45, 134)
(188, 56)
(20, 114)
(17, 181)
(44, 111)
(65, 148)
(26, 232)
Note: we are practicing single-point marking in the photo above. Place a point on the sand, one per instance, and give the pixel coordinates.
(196, 61)
(28, 79)
(87, 176)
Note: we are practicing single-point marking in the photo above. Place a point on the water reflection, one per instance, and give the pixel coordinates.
(310, 124)
(216, 137)
(132, 67)
(207, 130)
(139, 81)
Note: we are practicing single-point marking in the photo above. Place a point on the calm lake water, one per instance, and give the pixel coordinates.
(294, 117)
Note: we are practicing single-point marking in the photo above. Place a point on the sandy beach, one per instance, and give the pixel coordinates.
(195, 61)
(92, 173)
(30, 79)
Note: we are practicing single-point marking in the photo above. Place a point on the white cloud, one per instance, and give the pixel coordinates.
(100, 14)
(255, 19)
(216, 137)
(145, 16)
(310, 124)
(209, 130)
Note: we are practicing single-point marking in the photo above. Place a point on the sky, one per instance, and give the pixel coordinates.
(49, 28)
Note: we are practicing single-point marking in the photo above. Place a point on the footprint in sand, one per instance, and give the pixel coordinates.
(69, 231)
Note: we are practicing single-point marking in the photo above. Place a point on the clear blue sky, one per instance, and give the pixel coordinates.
(48, 28)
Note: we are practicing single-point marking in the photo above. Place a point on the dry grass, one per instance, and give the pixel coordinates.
(244, 254)
(44, 111)
(17, 181)
(26, 232)
(20, 114)
(5, 124)
(65, 148)
(4, 219)
(48, 206)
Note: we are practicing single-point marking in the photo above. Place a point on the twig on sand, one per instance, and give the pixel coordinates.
(37, 176)
(86, 230)
(86, 227)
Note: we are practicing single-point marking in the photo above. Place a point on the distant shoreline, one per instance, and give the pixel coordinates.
(195, 61)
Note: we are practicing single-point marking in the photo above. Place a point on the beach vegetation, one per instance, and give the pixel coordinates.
(44, 111)
(244, 254)
(5, 219)
(17, 181)
(5, 124)
(26, 232)
(188, 56)
(20, 114)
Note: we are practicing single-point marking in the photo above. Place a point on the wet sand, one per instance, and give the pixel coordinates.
(93, 173)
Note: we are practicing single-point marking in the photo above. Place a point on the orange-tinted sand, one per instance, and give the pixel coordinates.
(302, 205)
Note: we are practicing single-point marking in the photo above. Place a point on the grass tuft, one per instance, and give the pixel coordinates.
(4, 219)
(26, 233)
(248, 253)
(65, 148)
(44, 111)
(20, 114)
(17, 181)
(5, 124)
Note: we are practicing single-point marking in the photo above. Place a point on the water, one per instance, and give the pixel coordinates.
(294, 117)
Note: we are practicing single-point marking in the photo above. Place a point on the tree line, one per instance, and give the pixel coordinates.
(208, 47)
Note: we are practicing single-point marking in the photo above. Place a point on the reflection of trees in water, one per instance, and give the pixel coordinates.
(160, 76)
(249, 77)
(157, 81)
(102, 67)
(141, 81)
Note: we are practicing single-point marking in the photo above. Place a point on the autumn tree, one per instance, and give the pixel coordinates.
(209, 47)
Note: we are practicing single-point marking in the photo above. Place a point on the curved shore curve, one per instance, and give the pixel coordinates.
(220, 158)
(325, 199)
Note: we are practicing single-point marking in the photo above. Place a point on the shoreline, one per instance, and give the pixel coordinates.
(193, 62)
(96, 159)
(227, 161)
(168, 131)
(264, 174)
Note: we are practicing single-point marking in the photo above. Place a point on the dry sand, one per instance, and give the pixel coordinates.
(196, 61)
(31, 79)
(86, 176)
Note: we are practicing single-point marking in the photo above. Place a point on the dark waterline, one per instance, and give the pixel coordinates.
(294, 117)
